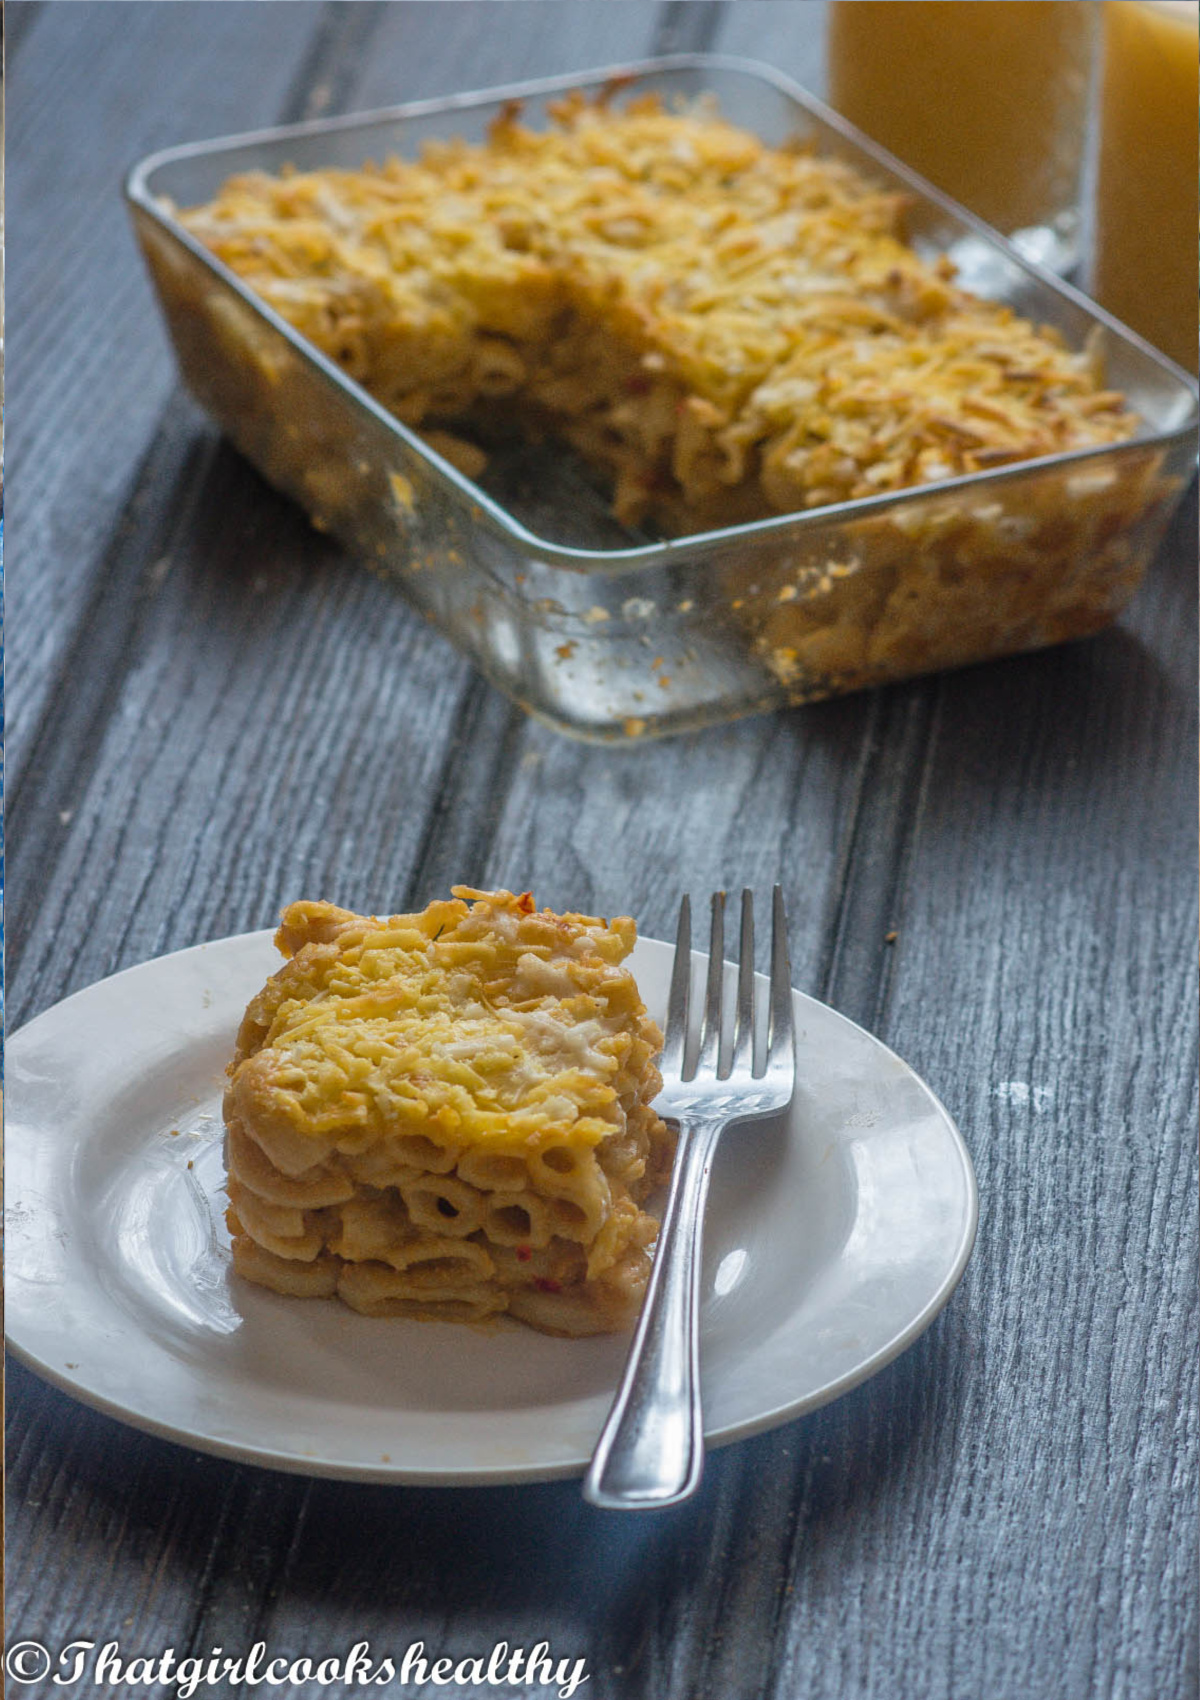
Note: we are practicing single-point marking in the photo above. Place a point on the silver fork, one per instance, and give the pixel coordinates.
(651, 1448)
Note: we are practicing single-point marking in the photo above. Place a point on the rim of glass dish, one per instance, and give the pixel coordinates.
(646, 556)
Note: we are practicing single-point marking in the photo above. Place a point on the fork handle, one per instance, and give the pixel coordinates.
(651, 1448)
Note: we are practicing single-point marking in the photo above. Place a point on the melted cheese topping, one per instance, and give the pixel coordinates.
(478, 1023)
(728, 330)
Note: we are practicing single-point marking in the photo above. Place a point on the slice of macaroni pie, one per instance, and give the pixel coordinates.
(449, 1115)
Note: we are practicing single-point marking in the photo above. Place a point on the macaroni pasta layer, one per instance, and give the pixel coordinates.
(723, 330)
(448, 1114)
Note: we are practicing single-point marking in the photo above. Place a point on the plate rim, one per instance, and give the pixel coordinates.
(504, 1475)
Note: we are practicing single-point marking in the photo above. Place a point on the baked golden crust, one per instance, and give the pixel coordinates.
(724, 329)
(448, 1114)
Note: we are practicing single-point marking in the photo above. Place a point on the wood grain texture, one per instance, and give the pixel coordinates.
(204, 745)
(215, 712)
(789, 37)
(88, 366)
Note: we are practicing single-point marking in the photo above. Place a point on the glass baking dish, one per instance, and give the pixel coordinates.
(607, 634)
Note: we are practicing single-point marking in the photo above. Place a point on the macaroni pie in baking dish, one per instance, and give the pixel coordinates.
(723, 330)
(444, 357)
(449, 1115)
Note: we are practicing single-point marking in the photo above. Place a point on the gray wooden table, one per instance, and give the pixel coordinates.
(211, 712)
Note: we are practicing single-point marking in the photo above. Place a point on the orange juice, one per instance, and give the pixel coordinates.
(987, 98)
(1146, 200)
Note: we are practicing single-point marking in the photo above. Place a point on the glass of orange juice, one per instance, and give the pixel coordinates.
(1145, 269)
(986, 98)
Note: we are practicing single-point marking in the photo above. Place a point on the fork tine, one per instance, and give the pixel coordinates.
(710, 1033)
(671, 1061)
(780, 1044)
(743, 1033)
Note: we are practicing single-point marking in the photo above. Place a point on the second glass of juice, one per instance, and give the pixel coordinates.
(986, 98)
(1144, 267)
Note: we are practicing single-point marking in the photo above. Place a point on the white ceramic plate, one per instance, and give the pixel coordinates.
(833, 1239)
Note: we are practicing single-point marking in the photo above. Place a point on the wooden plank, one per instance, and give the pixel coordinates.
(296, 745)
(88, 366)
(109, 1530)
(425, 48)
(1045, 980)
(788, 34)
(689, 26)
(17, 20)
(1057, 1423)
(631, 829)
